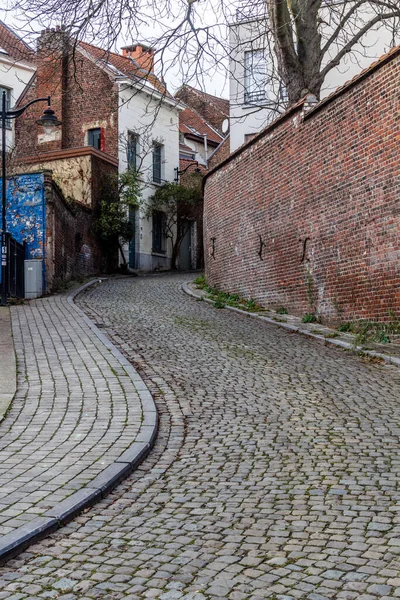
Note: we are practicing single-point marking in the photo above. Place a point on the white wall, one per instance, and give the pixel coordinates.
(14, 76)
(152, 120)
(244, 36)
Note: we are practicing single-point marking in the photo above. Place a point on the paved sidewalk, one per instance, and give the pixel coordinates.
(79, 406)
(8, 370)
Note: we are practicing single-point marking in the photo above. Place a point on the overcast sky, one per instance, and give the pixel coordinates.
(210, 78)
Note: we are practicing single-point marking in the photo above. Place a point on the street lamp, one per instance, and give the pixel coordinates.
(49, 121)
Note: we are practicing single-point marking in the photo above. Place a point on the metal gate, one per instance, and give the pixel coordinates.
(15, 274)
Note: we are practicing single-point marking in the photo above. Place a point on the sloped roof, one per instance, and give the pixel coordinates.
(193, 124)
(212, 108)
(15, 47)
(124, 65)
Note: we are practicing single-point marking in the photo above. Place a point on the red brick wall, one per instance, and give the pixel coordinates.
(323, 195)
(82, 95)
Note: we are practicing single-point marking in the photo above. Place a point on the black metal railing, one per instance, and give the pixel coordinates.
(15, 271)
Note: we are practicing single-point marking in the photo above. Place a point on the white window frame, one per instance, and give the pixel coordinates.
(255, 76)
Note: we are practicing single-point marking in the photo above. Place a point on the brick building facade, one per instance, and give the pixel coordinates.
(307, 214)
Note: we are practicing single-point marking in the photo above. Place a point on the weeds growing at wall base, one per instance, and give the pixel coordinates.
(372, 331)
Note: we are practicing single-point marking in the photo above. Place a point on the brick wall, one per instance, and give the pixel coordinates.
(71, 249)
(82, 96)
(307, 215)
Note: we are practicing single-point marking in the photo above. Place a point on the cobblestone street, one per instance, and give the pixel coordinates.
(275, 474)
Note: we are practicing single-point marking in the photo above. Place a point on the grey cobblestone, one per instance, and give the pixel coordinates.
(276, 465)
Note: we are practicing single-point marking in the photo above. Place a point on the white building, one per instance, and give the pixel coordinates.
(16, 70)
(254, 86)
(148, 130)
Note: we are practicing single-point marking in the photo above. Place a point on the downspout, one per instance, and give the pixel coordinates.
(205, 149)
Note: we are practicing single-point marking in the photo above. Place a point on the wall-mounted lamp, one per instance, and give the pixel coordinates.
(178, 172)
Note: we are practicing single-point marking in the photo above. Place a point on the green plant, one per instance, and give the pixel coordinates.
(180, 204)
(112, 224)
(251, 304)
(219, 304)
(344, 327)
(309, 318)
(200, 281)
(281, 310)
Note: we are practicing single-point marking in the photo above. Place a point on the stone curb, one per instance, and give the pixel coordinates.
(8, 366)
(16, 541)
(342, 344)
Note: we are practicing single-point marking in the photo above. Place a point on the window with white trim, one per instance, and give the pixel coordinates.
(157, 162)
(255, 76)
(132, 150)
(8, 103)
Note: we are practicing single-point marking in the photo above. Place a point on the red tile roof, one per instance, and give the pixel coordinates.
(14, 45)
(193, 125)
(125, 65)
(213, 109)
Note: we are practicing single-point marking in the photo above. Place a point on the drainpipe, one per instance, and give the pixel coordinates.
(205, 149)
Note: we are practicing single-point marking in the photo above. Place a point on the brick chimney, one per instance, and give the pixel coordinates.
(52, 63)
(144, 55)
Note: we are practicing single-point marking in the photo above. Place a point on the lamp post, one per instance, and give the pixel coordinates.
(48, 120)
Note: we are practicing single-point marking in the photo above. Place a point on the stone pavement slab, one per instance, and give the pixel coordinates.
(275, 473)
(8, 370)
(81, 419)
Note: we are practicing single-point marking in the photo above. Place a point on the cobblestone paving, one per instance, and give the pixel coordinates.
(275, 475)
(76, 410)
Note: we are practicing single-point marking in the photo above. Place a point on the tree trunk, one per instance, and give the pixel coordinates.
(297, 45)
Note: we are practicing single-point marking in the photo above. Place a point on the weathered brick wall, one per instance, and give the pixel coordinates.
(320, 196)
(71, 249)
(82, 95)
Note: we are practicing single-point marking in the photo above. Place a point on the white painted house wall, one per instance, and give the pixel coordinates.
(249, 35)
(154, 120)
(14, 75)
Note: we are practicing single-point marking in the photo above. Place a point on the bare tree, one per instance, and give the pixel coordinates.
(306, 39)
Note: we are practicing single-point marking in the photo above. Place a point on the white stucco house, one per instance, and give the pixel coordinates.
(253, 84)
(16, 70)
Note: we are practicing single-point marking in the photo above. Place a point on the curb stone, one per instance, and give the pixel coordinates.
(18, 540)
(8, 366)
(342, 344)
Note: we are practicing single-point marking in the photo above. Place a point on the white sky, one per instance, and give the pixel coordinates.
(210, 78)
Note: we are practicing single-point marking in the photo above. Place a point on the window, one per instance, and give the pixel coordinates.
(255, 76)
(8, 104)
(159, 237)
(95, 138)
(157, 161)
(132, 150)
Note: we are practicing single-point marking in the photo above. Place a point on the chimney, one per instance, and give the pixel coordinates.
(142, 54)
(52, 64)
